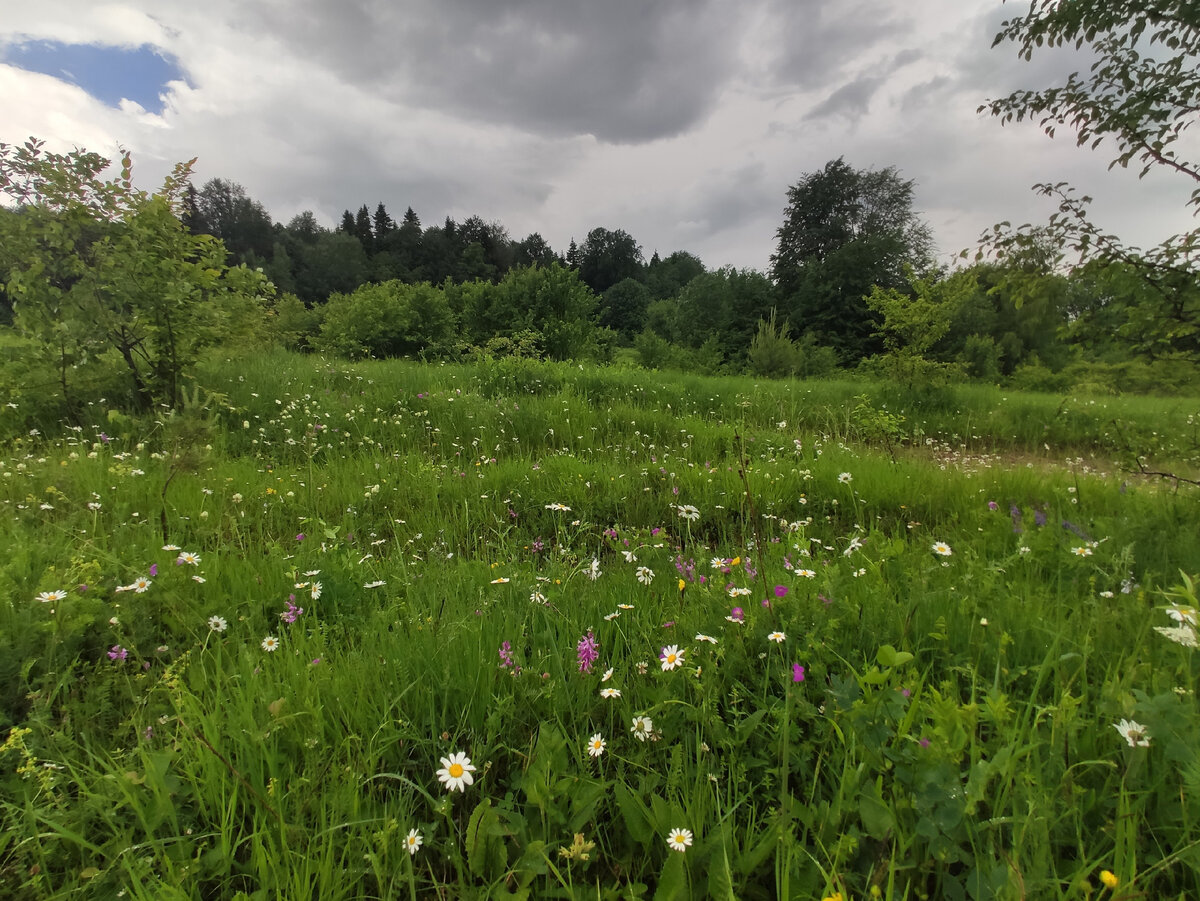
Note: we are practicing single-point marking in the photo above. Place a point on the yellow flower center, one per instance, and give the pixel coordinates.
(456, 770)
(670, 658)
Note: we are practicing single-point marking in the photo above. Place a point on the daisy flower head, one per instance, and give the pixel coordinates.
(610, 692)
(47, 596)
(315, 590)
(270, 643)
(1182, 614)
(1134, 733)
(413, 842)
(1083, 551)
(700, 636)
(608, 674)
(217, 623)
(845, 478)
(172, 548)
(717, 562)
(671, 657)
(596, 745)
(806, 573)
(645, 575)
(187, 557)
(688, 512)
(140, 585)
(777, 637)
(456, 772)
(942, 549)
(642, 728)
(679, 839)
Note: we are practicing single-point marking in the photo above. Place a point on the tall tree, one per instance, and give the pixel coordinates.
(243, 224)
(382, 223)
(1139, 97)
(606, 257)
(362, 229)
(844, 231)
(666, 278)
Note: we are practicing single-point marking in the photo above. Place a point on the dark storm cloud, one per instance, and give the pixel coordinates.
(622, 70)
(815, 41)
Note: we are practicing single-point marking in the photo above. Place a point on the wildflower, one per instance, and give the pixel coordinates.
(781, 591)
(217, 623)
(671, 657)
(456, 772)
(777, 637)
(718, 562)
(1024, 549)
(642, 728)
(139, 585)
(645, 575)
(610, 692)
(300, 536)
(700, 636)
(797, 672)
(153, 569)
(270, 643)
(688, 512)
(117, 653)
(836, 896)
(682, 585)
(642, 666)
(199, 579)
(1134, 733)
(992, 505)
(737, 615)
(1109, 878)
(376, 584)
(47, 596)
(593, 570)
(609, 617)
(413, 841)
(558, 507)
(1182, 634)
(1182, 614)
(187, 557)
(499, 581)
(624, 606)
(587, 651)
(1083, 551)
(854, 545)
(608, 673)
(806, 573)
(596, 745)
(315, 591)
(679, 840)
(942, 549)
(845, 478)
(738, 592)
(292, 613)
(630, 556)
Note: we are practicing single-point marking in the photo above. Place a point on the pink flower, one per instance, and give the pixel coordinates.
(153, 570)
(797, 672)
(117, 653)
(781, 591)
(587, 652)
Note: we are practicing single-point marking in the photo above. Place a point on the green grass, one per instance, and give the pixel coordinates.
(953, 735)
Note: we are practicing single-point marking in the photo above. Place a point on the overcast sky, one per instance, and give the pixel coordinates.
(682, 122)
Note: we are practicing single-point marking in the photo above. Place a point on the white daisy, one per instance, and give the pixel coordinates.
(642, 728)
(679, 840)
(413, 841)
(1134, 733)
(456, 772)
(217, 623)
(596, 745)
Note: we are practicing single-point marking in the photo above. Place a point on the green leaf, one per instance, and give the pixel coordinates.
(877, 817)
(889, 656)
(635, 814)
(672, 882)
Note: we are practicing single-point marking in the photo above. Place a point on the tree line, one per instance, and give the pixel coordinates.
(96, 271)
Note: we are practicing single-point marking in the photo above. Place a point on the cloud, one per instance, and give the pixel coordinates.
(622, 70)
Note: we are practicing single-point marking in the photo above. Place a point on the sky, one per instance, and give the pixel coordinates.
(682, 122)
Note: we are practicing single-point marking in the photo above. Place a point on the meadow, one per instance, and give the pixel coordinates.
(534, 630)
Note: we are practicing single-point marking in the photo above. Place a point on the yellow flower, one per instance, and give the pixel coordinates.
(1109, 878)
(836, 896)
(682, 584)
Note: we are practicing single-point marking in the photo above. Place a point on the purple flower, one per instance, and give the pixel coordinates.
(924, 742)
(737, 614)
(1039, 517)
(104, 437)
(506, 659)
(587, 652)
(1015, 513)
(797, 672)
(992, 505)
(300, 536)
(781, 591)
(153, 569)
(292, 613)
(117, 653)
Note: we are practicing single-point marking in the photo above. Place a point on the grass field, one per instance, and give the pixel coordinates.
(662, 636)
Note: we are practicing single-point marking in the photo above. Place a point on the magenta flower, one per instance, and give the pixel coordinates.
(587, 652)
(797, 672)
(292, 613)
(117, 653)
(153, 570)
(781, 591)
(300, 536)
(737, 615)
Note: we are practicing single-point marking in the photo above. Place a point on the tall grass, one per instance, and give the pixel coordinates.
(915, 695)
